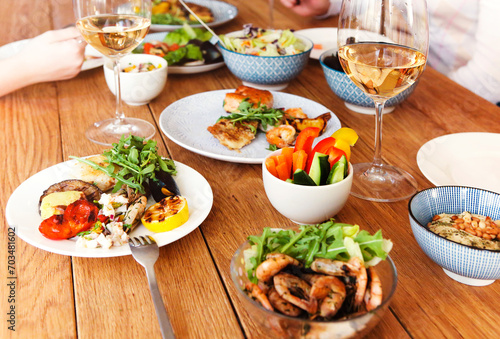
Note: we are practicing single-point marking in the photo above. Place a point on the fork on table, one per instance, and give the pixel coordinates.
(145, 251)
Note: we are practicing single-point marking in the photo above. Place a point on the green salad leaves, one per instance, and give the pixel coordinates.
(331, 240)
(264, 115)
(137, 160)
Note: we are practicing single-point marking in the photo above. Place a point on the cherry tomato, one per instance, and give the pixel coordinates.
(53, 228)
(80, 216)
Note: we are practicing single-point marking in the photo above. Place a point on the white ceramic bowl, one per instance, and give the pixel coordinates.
(266, 72)
(468, 265)
(138, 88)
(306, 204)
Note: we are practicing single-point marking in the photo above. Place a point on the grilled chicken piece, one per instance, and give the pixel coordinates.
(95, 176)
(233, 100)
(234, 135)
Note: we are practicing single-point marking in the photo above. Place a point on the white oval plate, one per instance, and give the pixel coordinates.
(185, 122)
(464, 159)
(325, 37)
(22, 211)
(182, 69)
(15, 47)
(223, 12)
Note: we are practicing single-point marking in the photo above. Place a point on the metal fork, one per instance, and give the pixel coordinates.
(145, 251)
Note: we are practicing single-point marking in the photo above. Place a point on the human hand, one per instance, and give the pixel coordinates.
(307, 7)
(54, 55)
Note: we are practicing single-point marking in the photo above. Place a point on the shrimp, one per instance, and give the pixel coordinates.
(373, 296)
(274, 263)
(281, 136)
(296, 112)
(354, 268)
(286, 283)
(330, 290)
(282, 305)
(256, 293)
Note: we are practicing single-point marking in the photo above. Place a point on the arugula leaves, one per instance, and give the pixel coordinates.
(264, 115)
(330, 240)
(138, 161)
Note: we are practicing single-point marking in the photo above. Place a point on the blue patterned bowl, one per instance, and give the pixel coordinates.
(468, 265)
(353, 97)
(266, 72)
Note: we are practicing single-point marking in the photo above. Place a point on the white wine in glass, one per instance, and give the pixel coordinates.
(115, 28)
(383, 47)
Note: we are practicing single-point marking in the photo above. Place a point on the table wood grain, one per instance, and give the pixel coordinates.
(68, 297)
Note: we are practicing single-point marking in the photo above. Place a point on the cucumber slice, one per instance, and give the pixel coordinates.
(300, 177)
(337, 173)
(289, 180)
(320, 167)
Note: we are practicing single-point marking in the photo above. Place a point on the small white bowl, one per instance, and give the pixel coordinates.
(306, 204)
(138, 88)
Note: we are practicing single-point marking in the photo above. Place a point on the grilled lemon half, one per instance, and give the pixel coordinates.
(171, 212)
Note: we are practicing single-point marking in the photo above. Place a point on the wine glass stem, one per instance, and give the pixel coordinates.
(379, 108)
(119, 110)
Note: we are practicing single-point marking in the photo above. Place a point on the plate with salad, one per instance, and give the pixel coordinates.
(169, 15)
(27, 204)
(187, 50)
(185, 122)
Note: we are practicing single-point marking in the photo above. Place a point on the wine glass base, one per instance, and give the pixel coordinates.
(382, 183)
(110, 131)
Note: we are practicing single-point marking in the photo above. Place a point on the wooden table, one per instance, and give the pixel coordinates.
(65, 297)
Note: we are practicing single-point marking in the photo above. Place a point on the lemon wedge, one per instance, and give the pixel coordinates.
(346, 134)
(169, 213)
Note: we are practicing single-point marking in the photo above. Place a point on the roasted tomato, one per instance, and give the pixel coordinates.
(78, 217)
(54, 229)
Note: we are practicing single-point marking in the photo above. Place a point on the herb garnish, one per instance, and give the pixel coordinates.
(137, 159)
(263, 114)
(331, 240)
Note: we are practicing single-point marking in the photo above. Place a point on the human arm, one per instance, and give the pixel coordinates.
(317, 8)
(51, 56)
(482, 74)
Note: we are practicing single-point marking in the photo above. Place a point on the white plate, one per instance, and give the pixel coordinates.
(185, 122)
(326, 37)
(464, 159)
(15, 47)
(22, 211)
(182, 69)
(223, 12)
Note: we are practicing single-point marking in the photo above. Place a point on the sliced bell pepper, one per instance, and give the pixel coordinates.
(321, 147)
(305, 139)
(344, 146)
(334, 154)
(147, 47)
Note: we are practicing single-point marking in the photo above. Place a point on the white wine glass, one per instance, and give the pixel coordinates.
(115, 28)
(383, 46)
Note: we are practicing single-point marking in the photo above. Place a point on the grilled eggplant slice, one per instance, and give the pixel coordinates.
(91, 192)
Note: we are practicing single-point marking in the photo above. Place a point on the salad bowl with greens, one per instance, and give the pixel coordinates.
(307, 244)
(265, 59)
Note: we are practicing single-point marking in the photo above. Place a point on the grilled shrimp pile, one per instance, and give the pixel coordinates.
(329, 289)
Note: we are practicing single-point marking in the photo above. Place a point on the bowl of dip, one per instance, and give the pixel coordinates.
(458, 227)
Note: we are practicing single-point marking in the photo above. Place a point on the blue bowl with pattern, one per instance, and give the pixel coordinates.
(266, 72)
(354, 98)
(466, 264)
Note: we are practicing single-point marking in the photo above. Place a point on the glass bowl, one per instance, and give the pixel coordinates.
(282, 326)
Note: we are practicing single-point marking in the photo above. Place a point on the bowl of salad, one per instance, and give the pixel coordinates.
(265, 58)
(269, 265)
